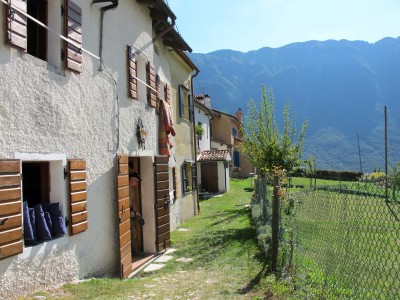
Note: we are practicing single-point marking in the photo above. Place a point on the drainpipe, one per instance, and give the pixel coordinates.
(194, 133)
(113, 5)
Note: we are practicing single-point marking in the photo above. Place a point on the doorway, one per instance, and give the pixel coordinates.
(135, 200)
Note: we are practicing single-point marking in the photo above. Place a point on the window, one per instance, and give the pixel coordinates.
(185, 104)
(30, 37)
(234, 132)
(236, 159)
(43, 201)
(37, 35)
(189, 177)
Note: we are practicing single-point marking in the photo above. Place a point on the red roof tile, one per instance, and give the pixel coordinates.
(214, 155)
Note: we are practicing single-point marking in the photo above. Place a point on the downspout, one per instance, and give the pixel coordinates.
(194, 133)
(103, 10)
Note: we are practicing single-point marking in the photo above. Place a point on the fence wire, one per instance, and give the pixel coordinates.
(343, 242)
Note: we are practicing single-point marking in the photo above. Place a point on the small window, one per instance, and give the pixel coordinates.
(234, 132)
(37, 35)
(189, 179)
(185, 104)
(236, 159)
(43, 207)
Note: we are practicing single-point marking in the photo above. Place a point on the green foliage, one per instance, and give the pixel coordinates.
(199, 129)
(377, 175)
(263, 143)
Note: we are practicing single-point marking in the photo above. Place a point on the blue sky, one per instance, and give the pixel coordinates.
(209, 25)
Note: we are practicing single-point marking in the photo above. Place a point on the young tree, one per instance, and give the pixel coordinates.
(267, 147)
(272, 152)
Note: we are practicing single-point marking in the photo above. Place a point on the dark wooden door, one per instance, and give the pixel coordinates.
(209, 177)
(123, 216)
(162, 202)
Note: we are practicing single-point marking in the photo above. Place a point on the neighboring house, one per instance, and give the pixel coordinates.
(76, 118)
(226, 136)
(213, 165)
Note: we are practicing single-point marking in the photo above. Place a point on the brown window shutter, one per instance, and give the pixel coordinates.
(167, 93)
(151, 81)
(17, 25)
(132, 73)
(10, 208)
(78, 196)
(175, 182)
(73, 31)
(158, 88)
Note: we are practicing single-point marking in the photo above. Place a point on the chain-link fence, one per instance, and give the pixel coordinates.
(343, 242)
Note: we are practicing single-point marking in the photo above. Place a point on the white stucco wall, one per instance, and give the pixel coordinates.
(185, 206)
(200, 116)
(47, 111)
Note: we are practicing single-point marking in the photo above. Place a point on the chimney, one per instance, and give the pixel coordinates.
(239, 114)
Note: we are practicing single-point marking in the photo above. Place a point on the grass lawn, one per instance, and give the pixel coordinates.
(225, 264)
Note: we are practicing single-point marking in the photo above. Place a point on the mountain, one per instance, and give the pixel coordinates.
(341, 87)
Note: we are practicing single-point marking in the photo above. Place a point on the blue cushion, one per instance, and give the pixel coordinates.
(42, 230)
(47, 217)
(58, 225)
(52, 208)
(33, 223)
(28, 231)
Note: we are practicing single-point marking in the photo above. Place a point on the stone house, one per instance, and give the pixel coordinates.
(91, 91)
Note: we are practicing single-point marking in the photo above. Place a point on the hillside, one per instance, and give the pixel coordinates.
(341, 87)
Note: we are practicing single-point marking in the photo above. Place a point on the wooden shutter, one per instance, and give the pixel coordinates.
(190, 104)
(167, 94)
(158, 88)
(181, 101)
(124, 221)
(162, 202)
(175, 182)
(132, 73)
(194, 176)
(184, 179)
(10, 208)
(78, 196)
(151, 81)
(73, 31)
(17, 24)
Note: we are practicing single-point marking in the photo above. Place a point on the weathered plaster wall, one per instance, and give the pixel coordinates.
(185, 206)
(46, 110)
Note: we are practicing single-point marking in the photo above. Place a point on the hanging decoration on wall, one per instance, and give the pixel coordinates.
(141, 134)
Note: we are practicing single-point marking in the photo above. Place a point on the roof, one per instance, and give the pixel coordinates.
(214, 155)
(218, 114)
(163, 19)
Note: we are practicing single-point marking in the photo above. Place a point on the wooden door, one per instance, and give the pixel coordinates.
(209, 177)
(123, 216)
(162, 203)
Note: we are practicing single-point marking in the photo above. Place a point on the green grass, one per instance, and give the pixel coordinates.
(226, 261)
(349, 242)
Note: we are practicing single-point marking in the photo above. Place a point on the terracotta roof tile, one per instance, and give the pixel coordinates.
(214, 155)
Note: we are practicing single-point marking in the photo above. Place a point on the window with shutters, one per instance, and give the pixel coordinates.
(189, 178)
(29, 36)
(185, 103)
(44, 200)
